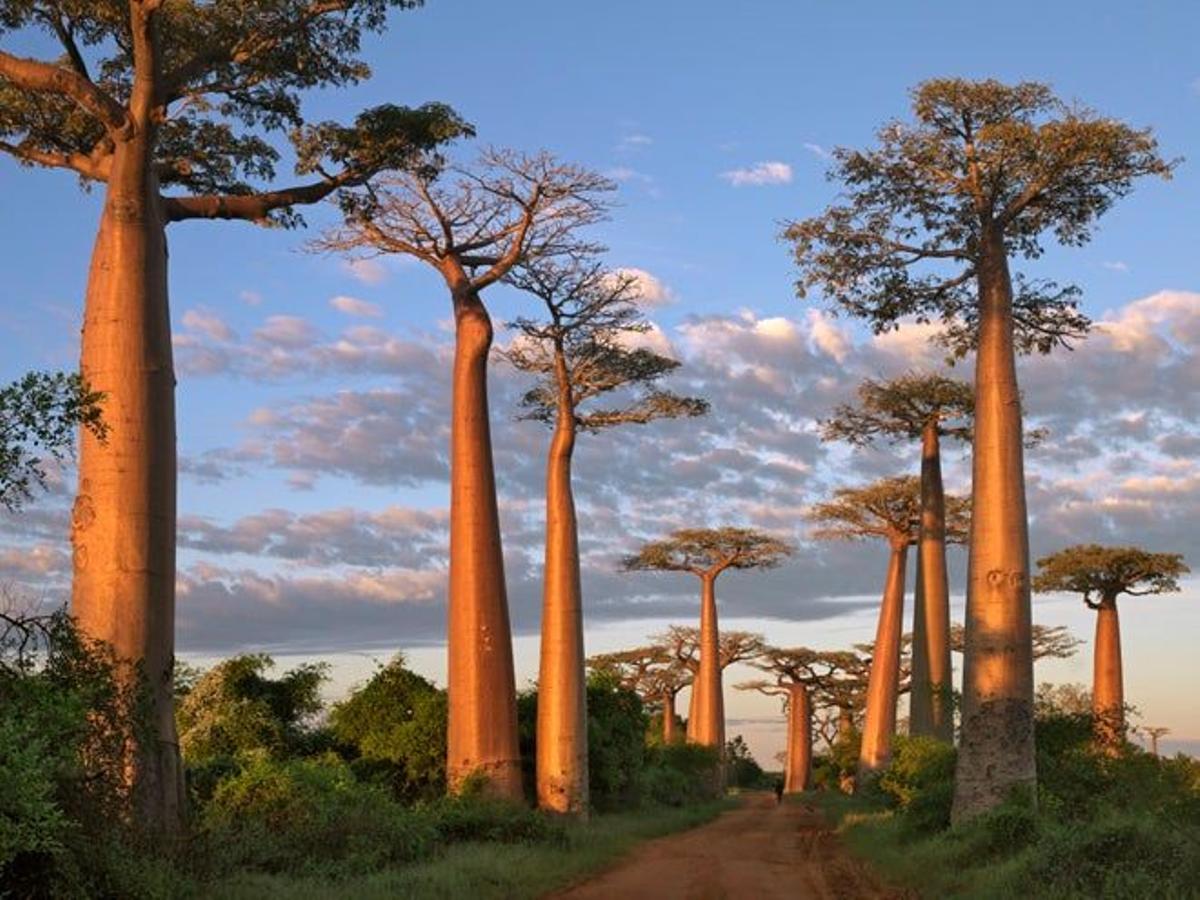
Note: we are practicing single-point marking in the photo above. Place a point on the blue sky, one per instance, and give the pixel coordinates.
(671, 99)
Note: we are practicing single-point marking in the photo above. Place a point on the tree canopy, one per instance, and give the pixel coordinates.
(889, 508)
(593, 318)
(1106, 572)
(710, 551)
(979, 159)
(39, 414)
(217, 82)
(901, 408)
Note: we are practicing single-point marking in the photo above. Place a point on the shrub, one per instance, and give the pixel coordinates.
(493, 820)
(680, 773)
(310, 816)
(920, 781)
(394, 728)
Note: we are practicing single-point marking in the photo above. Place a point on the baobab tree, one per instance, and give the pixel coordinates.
(682, 644)
(170, 108)
(1049, 641)
(706, 553)
(475, 225)
(653, 674)
(797, 672)
(888, 509)
(1100, 575)
(39, 415)
(925, 408)
(580, 352)
(928, 222)
(1154, 732)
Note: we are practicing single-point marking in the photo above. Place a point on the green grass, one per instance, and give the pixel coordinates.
(483, 871)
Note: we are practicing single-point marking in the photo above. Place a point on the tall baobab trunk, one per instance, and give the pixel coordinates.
(883, 683)
(996, 750)
(668, 718)
(123, 523)
(562, 771)
(1108, 693)
(709, 704)
(482, 726)
(932, 703)
(920, 707)
(691, 717)
(799, 740)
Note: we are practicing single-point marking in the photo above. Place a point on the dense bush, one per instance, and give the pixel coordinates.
(920, 781)
(742, 769)
(308, 815)
(678, 774)
(393, 729)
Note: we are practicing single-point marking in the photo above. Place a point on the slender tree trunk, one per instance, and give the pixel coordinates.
(883, 683)
(123, 522)
(1108, 692)
(845, 723)
(691, 718)
(668, 718)
(709, 706)
(920, 701)
(799, 740)
(996, 748)
(482, 726)
(933, 703)
(562, 764)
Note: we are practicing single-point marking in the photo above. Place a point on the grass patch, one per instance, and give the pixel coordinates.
(487, 871)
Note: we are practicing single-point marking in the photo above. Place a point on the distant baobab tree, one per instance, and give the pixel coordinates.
(1154, 732)
(169, 106)
(1100, 575)
(888, 509)
(796, 672)
(580, 352)
(706, 553)
(475, 225)
(682, 643)
(651, 673)
(925, 408)
(926, 225)
(39, 415)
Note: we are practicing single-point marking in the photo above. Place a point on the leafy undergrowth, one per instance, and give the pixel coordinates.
(1125, 827)
(481, 871)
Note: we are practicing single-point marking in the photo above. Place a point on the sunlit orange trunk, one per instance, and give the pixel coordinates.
(562, 765)
(883, 684)
(996, 749)
(798, 771)
(1108, 692)
(668, 718)
(482, 726)
(710, 705)
(932, 703)
(123, 523)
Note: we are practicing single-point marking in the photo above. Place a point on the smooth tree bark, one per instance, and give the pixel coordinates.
(889, 509)
(1102, 574)
(798, 763)
(922, 407)
(147, 98)
(682, 644)
(475, 225)
(928, 222)
(706, 553)
(579, 355)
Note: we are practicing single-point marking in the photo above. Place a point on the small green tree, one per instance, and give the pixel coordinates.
(927, 225)
(1100, 575)
(39, 414)
(396, 725)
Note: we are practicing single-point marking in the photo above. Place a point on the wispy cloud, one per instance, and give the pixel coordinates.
(634, 141)
(627, 174)
(352, 306)
(368, 271)
(770, 172)
(817, 150)
(1116, 265)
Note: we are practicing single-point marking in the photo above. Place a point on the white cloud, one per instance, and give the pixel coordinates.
(627, 174)
(770, 172)
(634, 141)
(826, 336)
(209, 324)
(817, 150)
(251, 298)
(368, 271)
(651, 291)
(286, 331)
(352, 306)
(1116, 266)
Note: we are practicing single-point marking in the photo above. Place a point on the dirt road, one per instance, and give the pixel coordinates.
(757, 852)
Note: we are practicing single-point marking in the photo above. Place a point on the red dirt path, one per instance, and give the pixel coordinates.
(758, 852)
